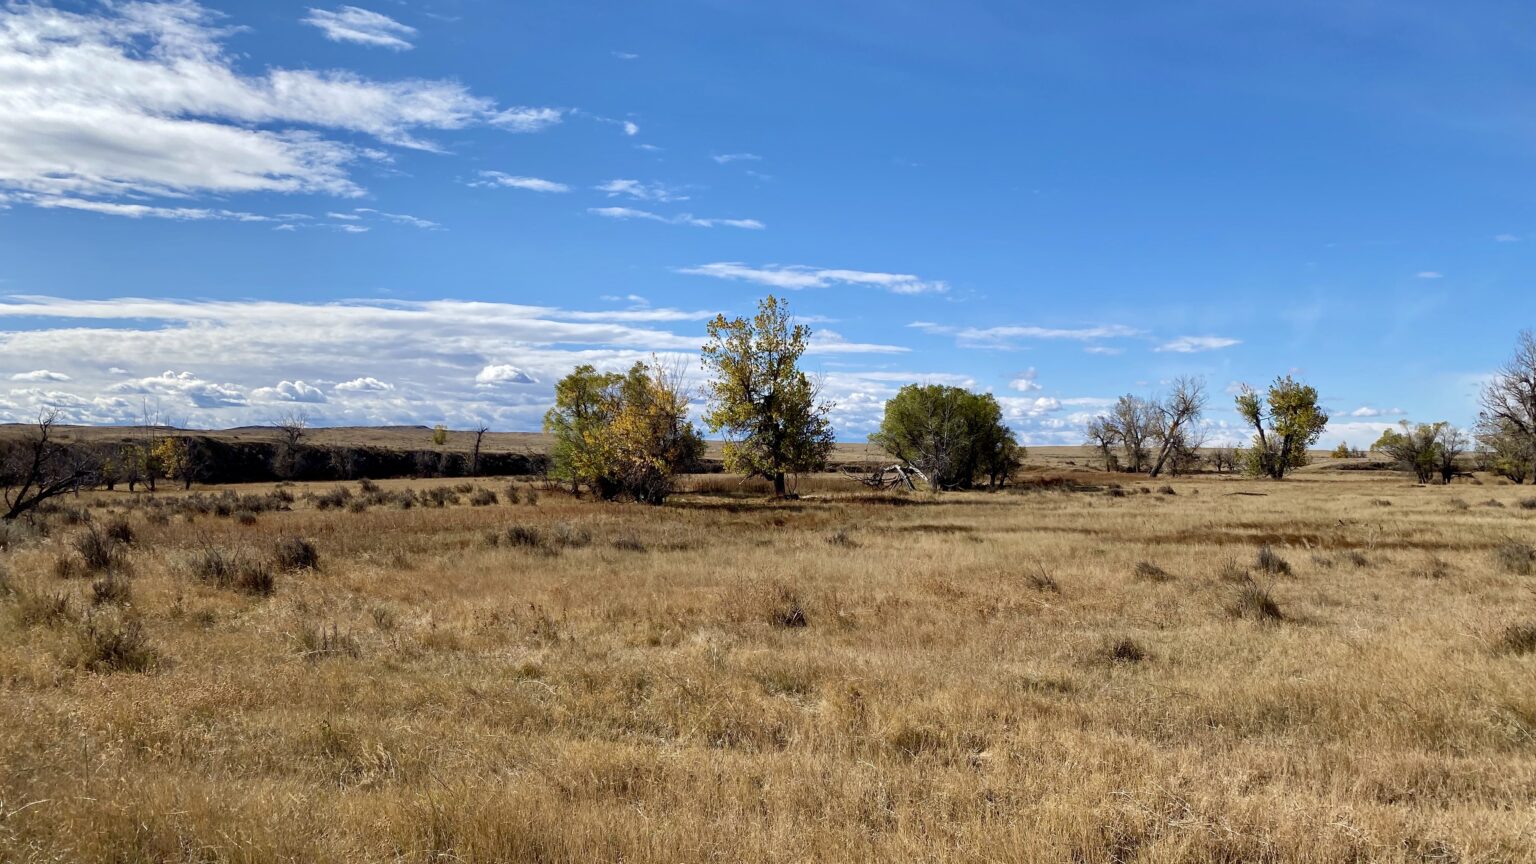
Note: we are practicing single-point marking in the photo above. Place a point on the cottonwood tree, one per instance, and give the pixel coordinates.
(1103, 435)
(1286, 421)
(1507, 422)
(39, 467)
(1414, 447)
(772, 415)
(181, 459)
(1134, 419)
(1174, 418)
(1504, 451)
(622, 435)
(474, 457)
(291, 429)
(955, 437)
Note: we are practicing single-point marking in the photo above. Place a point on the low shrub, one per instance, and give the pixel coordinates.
(296, 553)
(1517, 640)
(111, 589)
(1515, 557)
(482, 497)
(1151, 572)
(114, 642)
(1126, 651)
(1255, 603)
(1270, 562)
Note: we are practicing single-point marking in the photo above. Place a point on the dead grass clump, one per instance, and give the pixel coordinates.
(1150, 572)
(628, 543)
(45, 610)
(1114, 490)
(235, 572)
(568, 536)
(119, 531)
(1458, 504)
(320, 642)
(296, 553)
(1255, 603)
(7, 588)
(1380, 502)
(111, 590)
(1269, 561)
(1125, 651)
(110, 641)
(1231, 570)
(1515, 557)
(519, 537)
(245, 517)
(1517, 640)
(98, 550)
(1166, 490)
(841, 537)
(778, 604)
(1433, 567)
(1494, 503)
(482, 497)
(1528, 503)
(1040, 579)
(1356, 558)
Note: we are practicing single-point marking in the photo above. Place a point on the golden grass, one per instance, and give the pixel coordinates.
(1041, 675)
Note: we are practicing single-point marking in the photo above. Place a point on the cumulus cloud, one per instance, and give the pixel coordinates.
(290, 391)
(193, 389)
(1025, 382)
(361, 26)
(1368, 411)
(1195, 344)
(512, 181)
(681, 219)
(795, 277)
(141, 100)
(364, 385)
(503, 373)
(40, 375)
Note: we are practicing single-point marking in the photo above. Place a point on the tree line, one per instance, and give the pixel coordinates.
(626, 436)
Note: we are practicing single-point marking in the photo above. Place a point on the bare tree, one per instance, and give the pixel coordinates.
(1508, 418)
(1103, 434)
(1224, 458)
(292, 427)
(1174, 416)
(39, 467)
(1452, 443)
(1134, 419)
(474, 457)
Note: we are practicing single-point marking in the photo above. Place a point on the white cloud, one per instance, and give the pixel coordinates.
(640, 191)
(400, 218)
(1506, 238)
(422, 358)
(512, 181)
(503, 374)
(630, 128)
(40, 375)
(797, 277)
(196, 391)
(1026, 382)
(141, 211)
(1429, 274)
(626, 55)
(832, 342)
(364, 385)
(1105, 350)
(1009, 336)
(1368, 411)
(725, 158)
(1194, 344)
(524, 119)
(142, 100)
(351, 24)
(680, 219)
(290, 391)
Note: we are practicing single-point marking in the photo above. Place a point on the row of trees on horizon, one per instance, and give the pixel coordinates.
(628, 435)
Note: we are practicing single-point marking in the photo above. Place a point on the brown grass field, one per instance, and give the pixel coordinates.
(1060, 672)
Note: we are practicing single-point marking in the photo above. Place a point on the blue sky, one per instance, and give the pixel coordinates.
(423, 212)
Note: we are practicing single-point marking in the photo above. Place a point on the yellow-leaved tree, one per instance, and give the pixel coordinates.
(773, 418)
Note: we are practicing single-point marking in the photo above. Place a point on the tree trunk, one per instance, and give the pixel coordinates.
(778, 484)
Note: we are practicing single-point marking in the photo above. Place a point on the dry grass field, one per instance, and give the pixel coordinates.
(1061, 672)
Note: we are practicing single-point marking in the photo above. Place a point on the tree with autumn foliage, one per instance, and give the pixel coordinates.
(773, 418)
(622, 435)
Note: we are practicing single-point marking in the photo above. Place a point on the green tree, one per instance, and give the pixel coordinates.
(1286, 421)
(769, 410)
(1415, 447)
(956, 437)
(622, 436)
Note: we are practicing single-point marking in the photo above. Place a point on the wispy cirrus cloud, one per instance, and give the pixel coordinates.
(796, 277)
(641, 191)
(513, 181)
(362, 27)
(1195, 344)
(1010, 336)
(680, 219)
(727, 158)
